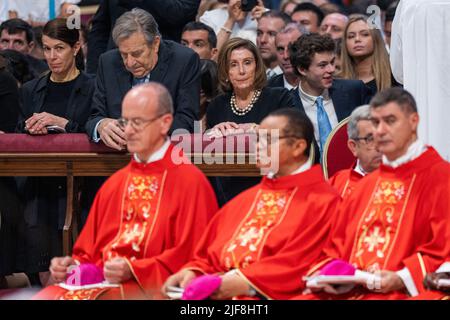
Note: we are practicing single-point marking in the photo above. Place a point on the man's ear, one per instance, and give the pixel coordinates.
(351, 144)
(302, 71)
(299, 147)
(156, 43)
(31, 46)
(166, 123)
(414, 120)
(214, 52)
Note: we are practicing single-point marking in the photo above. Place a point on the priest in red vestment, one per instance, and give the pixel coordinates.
(146, 218)
(362, 144)
(394, 224)
(262, 241)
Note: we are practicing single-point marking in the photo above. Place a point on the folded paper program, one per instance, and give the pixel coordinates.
(202, 287)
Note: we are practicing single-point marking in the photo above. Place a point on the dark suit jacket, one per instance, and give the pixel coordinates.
(178, 69)
(78, 105)
(276, 82)
(171, 16)
(346, 96)
(9, 101)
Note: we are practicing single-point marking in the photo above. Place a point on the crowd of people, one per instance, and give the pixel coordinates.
(289, 72)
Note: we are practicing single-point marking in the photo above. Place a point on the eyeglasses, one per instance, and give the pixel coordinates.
(369, 140)
(137, 124)
(268, 139)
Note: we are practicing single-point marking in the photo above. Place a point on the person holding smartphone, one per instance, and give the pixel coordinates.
(238, 19)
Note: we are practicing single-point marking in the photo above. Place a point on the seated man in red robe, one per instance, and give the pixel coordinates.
(145, 219)
(261, 242)
(392, 228)
(361, 143)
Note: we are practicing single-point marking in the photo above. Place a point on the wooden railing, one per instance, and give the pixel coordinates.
(74, 156)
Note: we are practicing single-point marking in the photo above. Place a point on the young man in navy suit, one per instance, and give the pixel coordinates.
(326, 100)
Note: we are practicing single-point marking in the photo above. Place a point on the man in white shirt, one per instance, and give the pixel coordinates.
(231, 21)
(325, 100)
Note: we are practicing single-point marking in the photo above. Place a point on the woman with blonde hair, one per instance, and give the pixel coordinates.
(364, 55)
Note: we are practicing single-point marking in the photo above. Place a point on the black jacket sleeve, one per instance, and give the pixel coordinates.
(9, 102)
(98, 109)
(187, 98)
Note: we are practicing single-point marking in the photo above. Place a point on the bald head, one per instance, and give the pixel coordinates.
(146, 118)
(152, 96)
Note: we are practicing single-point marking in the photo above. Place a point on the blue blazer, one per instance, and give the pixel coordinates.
(346, 95)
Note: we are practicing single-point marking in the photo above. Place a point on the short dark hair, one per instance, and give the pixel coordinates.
(15, 26)
(298, 124)
(398, 95)
(275, 14)
(390, 12)
(307, 6)
(194, 26)
(302, 51)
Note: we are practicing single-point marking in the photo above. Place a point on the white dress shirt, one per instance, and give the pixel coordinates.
(413, 152)
(309, 104)
(157, 155)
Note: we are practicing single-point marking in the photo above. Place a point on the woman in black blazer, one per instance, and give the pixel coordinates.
(56, 102)
(245, 102)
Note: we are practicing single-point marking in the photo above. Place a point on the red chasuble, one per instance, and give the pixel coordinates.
(344, 181)
(150, 214)
(270, 233)
(394, 218)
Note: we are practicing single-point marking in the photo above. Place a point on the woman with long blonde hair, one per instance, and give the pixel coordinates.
(364, 55)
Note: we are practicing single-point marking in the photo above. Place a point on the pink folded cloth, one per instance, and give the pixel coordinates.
(84, 274)
(338, 268)
(201, 287)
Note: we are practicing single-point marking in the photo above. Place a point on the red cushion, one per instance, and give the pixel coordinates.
(338, 155)
(57, 143)
(80, 143)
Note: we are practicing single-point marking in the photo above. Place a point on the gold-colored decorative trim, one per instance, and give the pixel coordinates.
(121, 210)
(327, 145)
(422, 264)
(399, 225)
(280, 220)
(312, 154)
(237, 230)
(345, 187)
(161, 190)
(253, 285)
(369, 203)
(134, 274)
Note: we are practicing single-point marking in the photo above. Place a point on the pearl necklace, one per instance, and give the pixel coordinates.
(241, 112)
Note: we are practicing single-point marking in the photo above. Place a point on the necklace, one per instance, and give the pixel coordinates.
(241, 112)
(68, 78)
